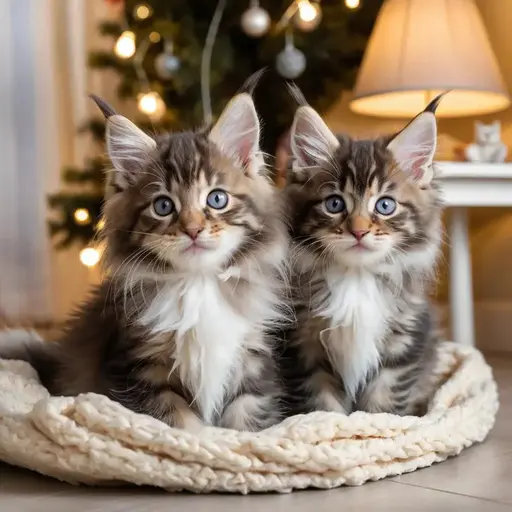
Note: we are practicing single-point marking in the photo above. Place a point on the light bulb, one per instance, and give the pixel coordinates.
(352, 4)
(155, 37)
(89, 256)
(142, 11)
(100, 225)
(125, 45)
(307, 11)
(82, 216)
(309, 16)
(151, 104)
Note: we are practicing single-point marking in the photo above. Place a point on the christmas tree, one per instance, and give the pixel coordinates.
(157, 49)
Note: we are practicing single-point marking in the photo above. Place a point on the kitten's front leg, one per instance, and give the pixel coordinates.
(393, 390)
(251, 412)
(180, 414)
(326, 393)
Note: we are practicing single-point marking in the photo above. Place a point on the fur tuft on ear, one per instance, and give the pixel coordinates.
(105, 108)
(415, 146)
(237, 132)
(128, 147)
(312, 143)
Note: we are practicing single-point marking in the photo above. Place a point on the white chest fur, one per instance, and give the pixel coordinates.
(209, 336)
(358, 309)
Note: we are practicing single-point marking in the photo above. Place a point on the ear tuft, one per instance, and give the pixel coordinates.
(105, 108)
(237, 132)
(312, 142)
(432, 106)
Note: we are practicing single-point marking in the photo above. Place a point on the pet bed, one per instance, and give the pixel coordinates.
(90, 439)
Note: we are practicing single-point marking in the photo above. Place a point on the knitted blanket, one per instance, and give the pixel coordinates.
(90, 439)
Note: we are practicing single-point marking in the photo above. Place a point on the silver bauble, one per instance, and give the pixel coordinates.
(255, 21)
(291, 62)
(166, 65)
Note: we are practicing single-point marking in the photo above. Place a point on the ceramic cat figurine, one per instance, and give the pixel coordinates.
(488, 146)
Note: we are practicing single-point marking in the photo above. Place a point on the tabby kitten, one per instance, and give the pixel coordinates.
(195, 247)
(366, 228)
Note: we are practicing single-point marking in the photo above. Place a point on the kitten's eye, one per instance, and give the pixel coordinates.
(385, 206)
(334, 204)
(163, 206)
(217, 199)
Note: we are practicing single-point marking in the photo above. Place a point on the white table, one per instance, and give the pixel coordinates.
(468, 185)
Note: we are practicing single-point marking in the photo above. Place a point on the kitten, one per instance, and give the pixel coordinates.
(488, 146)
(195, 251)
(366, 229)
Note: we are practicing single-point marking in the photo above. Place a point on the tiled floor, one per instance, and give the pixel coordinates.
(479, 480)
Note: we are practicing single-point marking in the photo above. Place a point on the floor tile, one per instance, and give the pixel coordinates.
(375, 497)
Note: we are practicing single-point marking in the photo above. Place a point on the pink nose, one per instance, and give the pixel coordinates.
(192, 231)
(359, 233)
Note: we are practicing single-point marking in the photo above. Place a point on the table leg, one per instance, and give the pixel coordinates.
(461, 287)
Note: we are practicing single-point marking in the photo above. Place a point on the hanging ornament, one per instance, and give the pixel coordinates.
(255, 20)
(308, 15)
(82, 216)
(352, 4)
(142, 12)
(166, 64)
(290, 62)
(89, 256)
(125, 45)
(151, 104)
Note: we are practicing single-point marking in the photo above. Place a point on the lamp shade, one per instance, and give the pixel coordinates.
(420, 48)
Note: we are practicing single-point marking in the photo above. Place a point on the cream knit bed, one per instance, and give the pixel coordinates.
(90, 439)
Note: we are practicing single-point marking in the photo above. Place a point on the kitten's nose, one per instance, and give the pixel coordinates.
(359, 233)
(192, 231)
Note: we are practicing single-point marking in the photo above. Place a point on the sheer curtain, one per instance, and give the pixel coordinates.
(28, 153)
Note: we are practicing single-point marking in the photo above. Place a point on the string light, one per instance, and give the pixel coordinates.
(142, 11)
(125, 45)
(100, 225)
(309, 15)
(307, 11)
(89, 257)
(82, 216)
(352, 4)
(155, 37)
(151, 104)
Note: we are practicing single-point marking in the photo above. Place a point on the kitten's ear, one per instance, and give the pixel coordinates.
(414, 147)
(312, 143)
(237, 132)
(128, 146)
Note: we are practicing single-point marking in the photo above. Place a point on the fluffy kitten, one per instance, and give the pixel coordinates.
(366, 227)
(195, 247)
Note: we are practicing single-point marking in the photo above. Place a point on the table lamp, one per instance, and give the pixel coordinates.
(420, 48)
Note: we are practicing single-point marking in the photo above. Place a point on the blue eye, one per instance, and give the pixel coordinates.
(334, 204)
(385, 206)
(217, 199)
(163, 206)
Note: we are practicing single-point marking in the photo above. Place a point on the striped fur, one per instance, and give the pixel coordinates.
(366, 331)
(180, 328)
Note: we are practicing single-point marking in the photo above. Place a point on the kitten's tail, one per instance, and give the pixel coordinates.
(30, 347)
